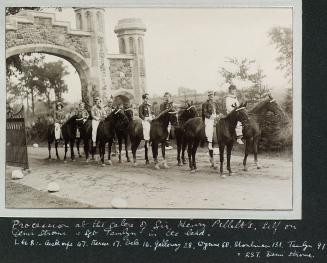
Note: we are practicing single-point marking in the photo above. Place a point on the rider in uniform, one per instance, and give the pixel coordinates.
(59, 119)
(167, 104)
(231, 102)
(208, 117)
(82, 115)
(97, 113)
(146, 115)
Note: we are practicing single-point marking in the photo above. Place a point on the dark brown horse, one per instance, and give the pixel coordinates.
(159, 134)
(68, 131)
(225, 130)
(121, 123)
(135, 132)
(184, 114)
(105, 134)
(85, 129)
(252, 125)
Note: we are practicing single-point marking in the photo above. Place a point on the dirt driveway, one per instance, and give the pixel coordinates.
(90, 185)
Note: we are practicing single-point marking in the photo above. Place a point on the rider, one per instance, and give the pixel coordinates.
(59, 119)
(208, 117)
(167, 104)
(97, 113)
(146, 115)
(82, 115)
(231, 102)
(109, 107)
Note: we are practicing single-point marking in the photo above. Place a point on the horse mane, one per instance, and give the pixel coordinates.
(258, 107)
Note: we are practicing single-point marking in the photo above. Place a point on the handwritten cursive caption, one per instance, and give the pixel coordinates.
(155, 235)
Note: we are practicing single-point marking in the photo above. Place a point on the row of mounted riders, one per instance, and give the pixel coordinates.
(189, 132)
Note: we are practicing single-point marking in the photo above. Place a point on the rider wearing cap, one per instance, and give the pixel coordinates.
(59, 119)
(146, 115)
(97, 113)
(231, 102)
(208, 116)
(82, 113)
(167, 104)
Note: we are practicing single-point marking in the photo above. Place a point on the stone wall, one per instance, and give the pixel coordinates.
(42, 31)
(121, 72)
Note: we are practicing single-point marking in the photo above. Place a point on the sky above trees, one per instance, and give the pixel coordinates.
(186, 47)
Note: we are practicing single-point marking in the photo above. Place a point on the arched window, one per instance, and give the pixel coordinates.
(88, 21)
(122, 46)
(140, 44)
(100, 21)
(79, 21)
(131, 45)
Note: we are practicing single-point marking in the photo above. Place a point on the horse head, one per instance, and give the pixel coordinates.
(189, 112)
(119, 118)
(129, 113)
(273, 106)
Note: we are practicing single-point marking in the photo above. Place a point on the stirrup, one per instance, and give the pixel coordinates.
(239, 141)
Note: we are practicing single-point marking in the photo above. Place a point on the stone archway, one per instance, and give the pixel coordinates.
(124, 98)
(71, 56)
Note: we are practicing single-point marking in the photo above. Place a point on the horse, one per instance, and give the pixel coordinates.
(252, 124)
(225, 131)
(68, 131)
(121, 123)
(135, 132)
(105, 134)
(85, 129)
(184, 114)
(159, 134)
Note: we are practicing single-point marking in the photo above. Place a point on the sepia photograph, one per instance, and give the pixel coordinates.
(150, 108)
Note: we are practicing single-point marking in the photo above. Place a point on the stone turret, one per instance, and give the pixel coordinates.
(92, 20)
(130, 33)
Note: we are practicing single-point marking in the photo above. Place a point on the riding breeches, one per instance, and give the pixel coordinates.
(238, 129)
(168, 130)
(95, 125)
(146, 130)
(57, 131)
(209, 125)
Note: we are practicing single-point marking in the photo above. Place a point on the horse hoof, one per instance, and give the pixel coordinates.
(73, 160)
(157, 167)
(230, 173)
(147, 162)
(258, 166)
(87, 160)
(80, 156)
(65, 161)
(119, 161)
(184, 162)
(128, 160)
(135, 164)
(193, 171)
(166, 166)
(222, 176)
(109, 162)
(103, 164)
(179, 164)
(245, 169)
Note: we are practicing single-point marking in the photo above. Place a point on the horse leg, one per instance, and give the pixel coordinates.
(212, 162)
(146, 152)
(65, 151)
(255, 151)
(178, 142)
(119, 148)
(194, 149)
(247, 149)
(189, 152)
(221, 155)
(78, 141)
(102, 152)
(72, 154)
(155, 154)
(86, 149)
(229, 152)
(184, 145)
(49, 148)
(163, 151)
(56, 146)
(109, 151)
(126, 149)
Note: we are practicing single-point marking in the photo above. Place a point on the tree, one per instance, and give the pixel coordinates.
(282, 38)
(248, 79)
(288, 102)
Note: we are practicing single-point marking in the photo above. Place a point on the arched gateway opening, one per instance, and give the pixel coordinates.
(72, 57)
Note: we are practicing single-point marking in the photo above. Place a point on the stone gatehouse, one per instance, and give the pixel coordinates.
(101, 73)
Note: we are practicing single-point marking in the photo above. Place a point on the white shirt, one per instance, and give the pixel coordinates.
(231, 101)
